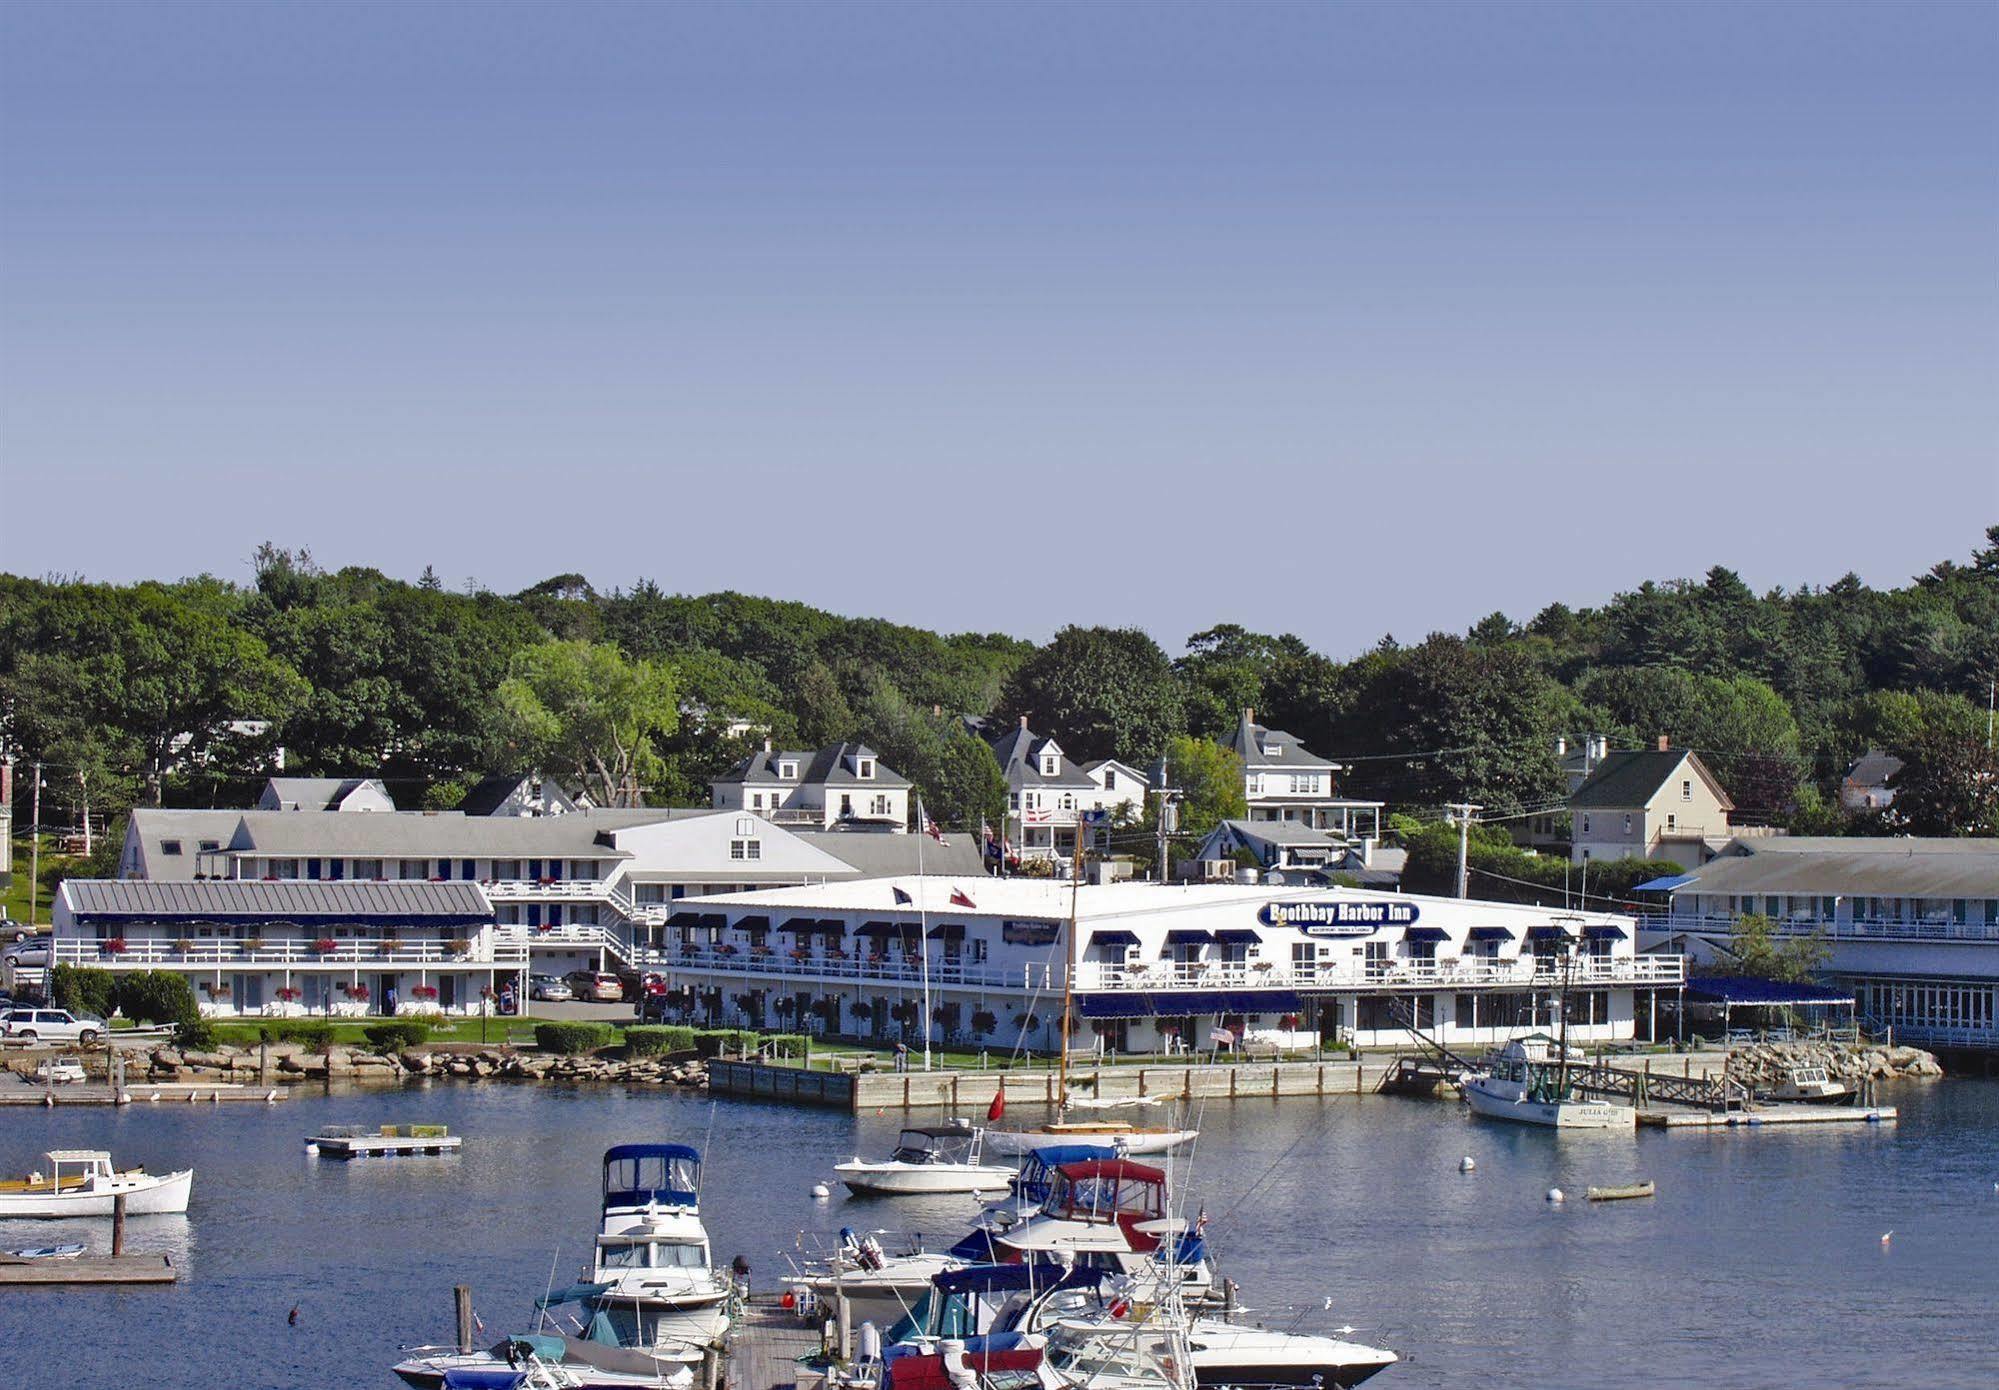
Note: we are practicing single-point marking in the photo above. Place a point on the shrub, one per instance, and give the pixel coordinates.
(84, 989)
(157, 996)
(650, 1040)
(314, 1032)
(397, 1035)
(196, 1033)
(570, 1038)
(713, 1042)
(788, 1044)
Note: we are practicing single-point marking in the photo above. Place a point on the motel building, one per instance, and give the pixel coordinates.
(1159, 968)
(278, 949)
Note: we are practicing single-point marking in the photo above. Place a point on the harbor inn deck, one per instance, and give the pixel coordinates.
(261, 948)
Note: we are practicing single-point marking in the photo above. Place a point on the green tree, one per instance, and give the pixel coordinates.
(968, 788)
(1759, 950)
(582, 707)
(1948, 785)
(1101, 692)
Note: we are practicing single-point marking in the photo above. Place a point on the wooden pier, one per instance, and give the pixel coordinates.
(391, 1141)
(764, 1350)
(1783, 1113)
(85, 1269)
(144, 1093)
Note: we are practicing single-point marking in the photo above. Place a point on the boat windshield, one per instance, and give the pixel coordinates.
(928, 1146)
(1119, 1352)
(652, 1254)
(1104, 1198)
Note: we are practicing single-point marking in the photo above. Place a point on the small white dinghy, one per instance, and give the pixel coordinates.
(47, 1252)
(82, 1182)
(928, 1159)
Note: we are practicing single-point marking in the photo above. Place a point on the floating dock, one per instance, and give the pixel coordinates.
(764, 1350)
(145, 1092)
(1785, 1114)
(86, 1269)
(390, 1141)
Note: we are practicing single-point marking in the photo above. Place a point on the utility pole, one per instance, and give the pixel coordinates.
(1167, 820)
(35, 851)
(1464, 810)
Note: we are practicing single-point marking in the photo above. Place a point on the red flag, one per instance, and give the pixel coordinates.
(997, 1110)
(933, 830)
(960, 898)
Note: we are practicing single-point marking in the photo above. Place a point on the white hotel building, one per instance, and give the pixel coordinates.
(1156, 964)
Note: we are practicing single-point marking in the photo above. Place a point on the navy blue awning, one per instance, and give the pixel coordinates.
(1489, 934)
(1113, 938)
(1237, 936)
(1604, 932)
(947, 931)
(1425, 934)
(1546, 933)
(1741, 990)
(1174, 1003)
(1188, 936)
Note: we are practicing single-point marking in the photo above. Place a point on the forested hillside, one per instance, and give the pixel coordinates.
(176, 692)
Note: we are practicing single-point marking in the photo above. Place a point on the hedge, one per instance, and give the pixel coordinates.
(84, 989)
(314, 1032)
(570, 1038)
(787, 1044)
(649, 1040)
(713, 1042)
(395, 1036)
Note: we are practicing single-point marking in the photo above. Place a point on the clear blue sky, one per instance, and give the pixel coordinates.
(1337, 318)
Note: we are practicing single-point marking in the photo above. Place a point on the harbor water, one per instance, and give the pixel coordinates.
(1761, 1261)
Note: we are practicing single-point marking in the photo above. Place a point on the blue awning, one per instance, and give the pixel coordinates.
(1666, 884)
(1188, 936)
(1177, 1003)
(1425, 934)
(1113, 938)
(1604, 932)
(1546, 933)
(1489, 934)
(1237, 936)
(1738, 990)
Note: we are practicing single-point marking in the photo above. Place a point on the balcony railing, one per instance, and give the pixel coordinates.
(895, 968)
(1522, 973)
(521, 890)
(347, 953)
(1930, 928)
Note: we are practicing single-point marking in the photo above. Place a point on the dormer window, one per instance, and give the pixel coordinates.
(788, 771)
(866, 770)
(1271, 750)
(1050, 765)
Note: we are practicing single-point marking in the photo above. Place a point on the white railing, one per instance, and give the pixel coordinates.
(1932, 928)
(895, 969)
(1523, 973)
(346, 953)
(521, 890)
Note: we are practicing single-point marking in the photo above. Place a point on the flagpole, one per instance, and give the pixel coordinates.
(923, 924)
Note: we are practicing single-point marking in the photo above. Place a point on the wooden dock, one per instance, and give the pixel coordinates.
(1785, 1114)
(382, 1145)
(764, 1348)
(86, 1269)
(144, 1093)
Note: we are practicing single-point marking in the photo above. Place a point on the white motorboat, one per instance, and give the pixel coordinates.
(1811, 1084)
(537, 1361)
(82, 1182)
(928, 1159)
(1110, 1214)
(60, 1071)
(651, 1276)
(1127, 1137)
(1528, 1082)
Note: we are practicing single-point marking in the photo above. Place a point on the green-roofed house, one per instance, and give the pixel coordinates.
(1652, 803)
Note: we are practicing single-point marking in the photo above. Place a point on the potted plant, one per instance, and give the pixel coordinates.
(115, 946)
(426, 993)
(252, 943)
(861, 1010)
(183, 945)
(325, 946)
(983, 1022)
(459, 946)
(287, 995)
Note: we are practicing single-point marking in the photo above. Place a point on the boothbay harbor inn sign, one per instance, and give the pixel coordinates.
(1153, 964)
(1339, 918)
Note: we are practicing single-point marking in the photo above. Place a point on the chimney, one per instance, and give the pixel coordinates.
(766, 744)
(1665, 744)
(1023, 721)
(1248, 715)
(1561, 746)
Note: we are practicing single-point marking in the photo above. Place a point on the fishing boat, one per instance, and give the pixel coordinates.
(928, 1159)
(83, 1182)
(1810, 1084)
(1528, 1082)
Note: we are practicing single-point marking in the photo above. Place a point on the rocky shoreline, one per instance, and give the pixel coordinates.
(294, 1062)
(1766, 1064)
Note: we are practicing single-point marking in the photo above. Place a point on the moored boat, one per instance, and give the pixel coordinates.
(83, 1182)
(1528, 1082)
(928, 1159)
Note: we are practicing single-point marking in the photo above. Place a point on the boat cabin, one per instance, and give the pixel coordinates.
(1107, 1189)
(1030, 1186)
(647, 1175)
(70, 1169)
(969, 1302)
(937, 1144)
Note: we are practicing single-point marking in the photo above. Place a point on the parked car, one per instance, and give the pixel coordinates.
(31, 951)
(15, 931)
(50, 1025)
(599, 986)
(550, 988)
(59, 1071)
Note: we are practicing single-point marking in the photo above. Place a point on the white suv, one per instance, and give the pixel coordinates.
(50, 1025)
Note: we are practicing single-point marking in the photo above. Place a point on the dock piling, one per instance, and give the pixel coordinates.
(461, 1299)
(118, 1226)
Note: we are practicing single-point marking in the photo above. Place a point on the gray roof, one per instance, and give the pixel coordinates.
(1628, 779)
(826, 766)
(878, 855)
(1884, 866)
(489, 793)
(320, 793)
(1873, 768)
(1248, 740)
(152, 825)
(444, 834)
(352, 898)
(1019, 752)
(1284, 832)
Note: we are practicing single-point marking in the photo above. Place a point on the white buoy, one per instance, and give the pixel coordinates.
(312, 1150)
(1887, 1237)
(819, 1189)
(1555, 1195)
(1465, 1164)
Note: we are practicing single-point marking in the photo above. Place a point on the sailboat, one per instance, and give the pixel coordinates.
(1068, 1127)
(1528, 1081)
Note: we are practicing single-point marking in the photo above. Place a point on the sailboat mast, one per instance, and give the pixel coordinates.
(1562, 1007)
(1069, 965)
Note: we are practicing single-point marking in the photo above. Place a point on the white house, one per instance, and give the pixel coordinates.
(1048, 795)
(1285, 781)
(1156, 964)
(844, 786)
(325, 794)
(1123, 787)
